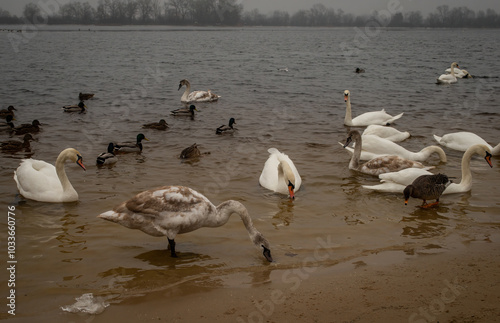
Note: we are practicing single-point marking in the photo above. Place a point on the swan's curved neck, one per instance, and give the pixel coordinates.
(466, 180)
(356, 156)
(348, 115)
(226, 209)
(186, 92)
(427, 151)
(61, 173)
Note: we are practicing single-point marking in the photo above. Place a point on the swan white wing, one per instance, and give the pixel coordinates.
(447, 78)
(385, 132)
(386, 187)
(269, 177)
(202, 96)
(38, 180)
(375, 117)
(460, 140)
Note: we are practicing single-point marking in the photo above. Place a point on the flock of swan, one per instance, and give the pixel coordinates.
(171, 210)
(452, 75)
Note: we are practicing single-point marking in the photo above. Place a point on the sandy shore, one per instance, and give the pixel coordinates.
(461, 285)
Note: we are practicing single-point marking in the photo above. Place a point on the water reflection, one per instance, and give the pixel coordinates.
(425, 223)
(284, 216)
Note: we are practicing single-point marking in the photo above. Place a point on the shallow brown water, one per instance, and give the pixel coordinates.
(64, 250)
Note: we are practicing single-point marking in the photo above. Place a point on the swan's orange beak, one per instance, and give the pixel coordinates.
(406, 201)
(488, 159)
(345, 97)
(290, 190)
(79, 161)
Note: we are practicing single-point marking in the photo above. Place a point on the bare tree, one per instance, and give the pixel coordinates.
(31, 11)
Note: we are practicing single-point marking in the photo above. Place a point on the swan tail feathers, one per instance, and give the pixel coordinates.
(273, 151)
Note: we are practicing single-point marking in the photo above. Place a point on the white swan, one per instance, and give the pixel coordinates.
(448, 78)
(196, 96)
(459, 73)
(375, 117)
(374, 146)
(397, 181)
(171, 210)
(41, 181)
(388, 133)
(463, 140)
(378, 165)
(280, 174)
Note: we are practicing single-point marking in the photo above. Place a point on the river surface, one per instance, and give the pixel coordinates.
(64, 251)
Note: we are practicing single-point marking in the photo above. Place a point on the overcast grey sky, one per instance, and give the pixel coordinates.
(357, 7)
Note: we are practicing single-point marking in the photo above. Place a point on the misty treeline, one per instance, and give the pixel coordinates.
(231, 13)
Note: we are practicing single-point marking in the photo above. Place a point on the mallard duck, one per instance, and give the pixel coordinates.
(427, 187)
(161, 125)
(34, 127)
(129, 147)
(16, 145)
(448, 78)
(7, 112)
(190, 152)
(172, 210)
(196, 96)
(41, 181)
(378, 165)
(184, 112)
(226, 128)
(80, 107)
(108, 157)
(280, 174)
(8, 124)
(85, 96)
(359, 70)
(375, 117)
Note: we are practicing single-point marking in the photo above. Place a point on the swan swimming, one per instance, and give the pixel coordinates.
(196, 96)
(368, 118)
(374, 146)
(448, 78)
(461, 141)
(280, 174)
(378, 165)
(40, 181)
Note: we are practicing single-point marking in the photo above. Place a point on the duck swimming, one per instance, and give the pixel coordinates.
(172, 210)
(184, 112)
(190, 152)
(85, 96)
(226, 128)
(107, 158)
(15, 145)
(34, 127)
(80, 107)
(7, 112)
(130, 147)
(161, 125)
(196, 96)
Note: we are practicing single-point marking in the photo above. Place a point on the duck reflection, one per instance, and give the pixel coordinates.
(425, 223)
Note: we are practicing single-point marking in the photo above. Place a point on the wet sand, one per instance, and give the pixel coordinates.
(461, 285)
